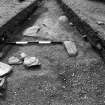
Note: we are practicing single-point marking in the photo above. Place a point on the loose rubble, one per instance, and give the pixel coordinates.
(14, 60)
(5, 69)
(31, 61)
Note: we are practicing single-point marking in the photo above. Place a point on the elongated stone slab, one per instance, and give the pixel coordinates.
(71, 48)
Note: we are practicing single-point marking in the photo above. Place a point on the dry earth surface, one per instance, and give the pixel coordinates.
(61, 80)
(9, 8)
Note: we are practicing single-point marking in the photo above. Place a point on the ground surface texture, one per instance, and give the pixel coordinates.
(61, 80)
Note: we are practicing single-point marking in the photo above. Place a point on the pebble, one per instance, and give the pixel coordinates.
(71, 24)
(14, 60)
(99, 46)
(71, 48)
(63, 19)
(100, 23)
(5, 69)
(23, 55)
(31, 61)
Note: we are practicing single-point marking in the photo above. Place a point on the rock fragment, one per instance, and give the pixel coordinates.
(23, 55)
(71, 24)
(32, 31)
(100, 23)
(3, 86)
(31, 62)
(63, 19)
(14, 60)
(5, 69)
(71, 48)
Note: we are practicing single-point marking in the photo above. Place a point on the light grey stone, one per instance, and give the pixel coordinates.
(31, 61)
(4, 69)
(14, 60)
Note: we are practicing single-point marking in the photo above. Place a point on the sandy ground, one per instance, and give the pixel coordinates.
(9, 8)
(61, 80)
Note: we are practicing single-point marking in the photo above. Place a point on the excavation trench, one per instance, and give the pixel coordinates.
(94, 35)
(61, 79)
(9, 28)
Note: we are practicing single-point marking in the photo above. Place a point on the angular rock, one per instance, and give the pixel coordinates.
(31, 61)
(5, 69)
(14, 61)
(31, 31)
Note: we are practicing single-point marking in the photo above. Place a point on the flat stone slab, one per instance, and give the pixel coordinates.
(71, 48)
(4, 69)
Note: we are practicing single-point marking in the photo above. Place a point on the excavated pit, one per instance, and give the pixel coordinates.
(61, 80)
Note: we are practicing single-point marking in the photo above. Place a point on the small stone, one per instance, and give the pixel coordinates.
(47, 22)
(14, 60)
(71, 48)
(5, 69)
(31, 61)
(3, 82)
(100, 23)
(21, 0)
(23, 55)
(3, 86)
(63, 19)
(99, 46)
(85, 37)
(71, 24)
